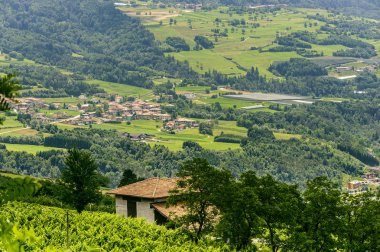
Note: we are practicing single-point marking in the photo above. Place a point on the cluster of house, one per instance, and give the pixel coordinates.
(180, 124)
(370, 180)
(31, 105)
(115, 111)
(189, 96)
(118, 111)
(341, 69)
(24, 105)
(188, 6)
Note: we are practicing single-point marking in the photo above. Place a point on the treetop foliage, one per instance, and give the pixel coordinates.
(81, 179)
(253, 208)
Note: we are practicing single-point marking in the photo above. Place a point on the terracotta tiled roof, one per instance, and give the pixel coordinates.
(152, 188)
(171, 211)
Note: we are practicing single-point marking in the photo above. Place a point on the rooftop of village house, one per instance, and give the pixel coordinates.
(152, 188)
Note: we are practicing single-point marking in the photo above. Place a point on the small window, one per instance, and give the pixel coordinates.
(131, 209)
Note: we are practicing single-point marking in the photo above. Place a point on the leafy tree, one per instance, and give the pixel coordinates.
(238, 204)
(204, 42)
(178, 43)
(81, 179)
(128, 177)
(360, 231)
(114, 47)
(196, 191)
(260, 133)
(191, 145)
(205, 128)
(279, 206)
(293, 68)
(321, 218)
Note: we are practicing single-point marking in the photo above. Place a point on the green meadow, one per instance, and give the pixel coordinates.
(32, 149)
(203, 98)
(174, 141)
(232, 54)
(122, 89)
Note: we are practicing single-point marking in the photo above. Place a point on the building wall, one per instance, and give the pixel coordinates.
(144, 210)
(121, 206)
(142, 207)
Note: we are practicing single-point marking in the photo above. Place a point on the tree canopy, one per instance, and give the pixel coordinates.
(81, 179)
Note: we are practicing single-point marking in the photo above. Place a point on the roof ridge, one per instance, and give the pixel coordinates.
(155, 189)
(132, 184)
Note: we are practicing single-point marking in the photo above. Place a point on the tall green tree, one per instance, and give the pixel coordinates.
(128, 177)
(81, 179)
(279, 206)
(238, 205)
(321, 219)
(361, 223)
(197, 191)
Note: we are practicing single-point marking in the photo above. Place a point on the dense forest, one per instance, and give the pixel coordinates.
(49, 82)
(111, 46)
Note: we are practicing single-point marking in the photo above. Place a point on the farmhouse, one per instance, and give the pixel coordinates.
(188, 122)
(355, 184)
(137, 137)
(190, 96)
(181, 124)
(343, 69)
(147, 199)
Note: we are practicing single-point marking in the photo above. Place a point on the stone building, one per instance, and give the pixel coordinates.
(147, 199)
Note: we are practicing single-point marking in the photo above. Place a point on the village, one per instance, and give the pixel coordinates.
(100, 109)
(369, 181)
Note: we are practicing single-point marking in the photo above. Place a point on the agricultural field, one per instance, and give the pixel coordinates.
(174, 141)
(32, 149)
(258, 101)
(151, 127)
(233, 52)
(206, 96)
(122, 89)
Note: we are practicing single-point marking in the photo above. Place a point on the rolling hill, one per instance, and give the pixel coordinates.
(73, 35)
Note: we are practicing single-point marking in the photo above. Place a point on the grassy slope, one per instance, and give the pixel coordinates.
(174, 141)
(122, 89)
(32, 149)
(231, 53)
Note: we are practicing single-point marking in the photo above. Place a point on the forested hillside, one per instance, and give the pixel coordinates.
(90, 37)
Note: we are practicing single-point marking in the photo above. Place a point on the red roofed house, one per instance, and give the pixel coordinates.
(146, 199)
